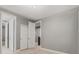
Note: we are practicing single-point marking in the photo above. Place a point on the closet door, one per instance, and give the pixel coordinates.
(23, 40)
(31, 30)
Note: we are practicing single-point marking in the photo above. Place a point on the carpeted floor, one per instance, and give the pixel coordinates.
(36, 51)
(29, 51)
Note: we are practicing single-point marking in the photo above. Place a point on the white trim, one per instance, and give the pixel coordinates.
(54, 51)
(14, 42)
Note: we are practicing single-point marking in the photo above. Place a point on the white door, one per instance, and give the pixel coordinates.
(31, 32)
(23, 35)
(11, 34)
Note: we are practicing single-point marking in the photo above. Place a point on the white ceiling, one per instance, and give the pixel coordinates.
(37, 11)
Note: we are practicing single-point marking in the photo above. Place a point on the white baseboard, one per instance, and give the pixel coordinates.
(54, 51)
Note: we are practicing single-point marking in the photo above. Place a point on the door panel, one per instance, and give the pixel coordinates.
(23, 40)
(11, 34)
(31, 30)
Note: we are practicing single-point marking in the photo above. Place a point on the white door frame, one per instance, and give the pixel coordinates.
(7, 16)
(14, 41)
(14, 34)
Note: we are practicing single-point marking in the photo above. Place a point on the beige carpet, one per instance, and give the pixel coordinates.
(35, 51)
(28, 51)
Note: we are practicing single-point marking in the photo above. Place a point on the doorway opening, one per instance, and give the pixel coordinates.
(8, 36)
(3, 35)
(38, 33)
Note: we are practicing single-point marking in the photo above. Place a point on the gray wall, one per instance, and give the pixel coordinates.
(78, 30)
(59, 32)
(0, 35)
